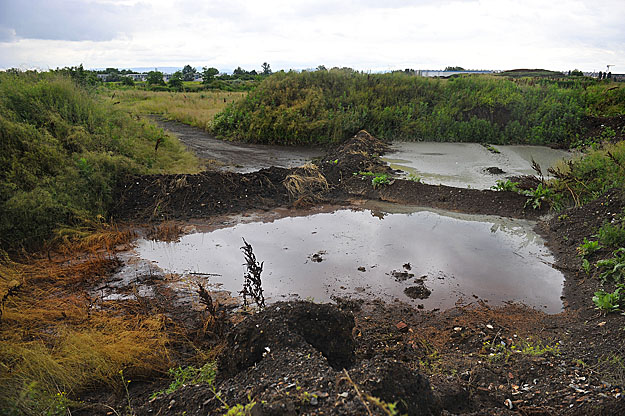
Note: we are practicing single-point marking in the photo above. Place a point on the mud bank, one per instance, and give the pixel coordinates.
(164, 197)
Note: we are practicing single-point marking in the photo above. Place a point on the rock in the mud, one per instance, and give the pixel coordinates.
(401, 276)
(494, 170)
(290, 325)
(417, 292)
(318, 256)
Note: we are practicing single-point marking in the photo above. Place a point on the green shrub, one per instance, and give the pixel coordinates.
(593, 174)
(612, 235)
(380, 179)
(537, 196)
(588, 247)
(614, 268)
(189, 375)
(608, 302)
(61, 153)
(313, 107)
(506, 185)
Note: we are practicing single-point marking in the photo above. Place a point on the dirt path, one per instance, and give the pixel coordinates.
(237, 157)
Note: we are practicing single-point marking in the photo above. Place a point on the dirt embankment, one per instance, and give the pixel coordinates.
(165, 197)
(303, 358)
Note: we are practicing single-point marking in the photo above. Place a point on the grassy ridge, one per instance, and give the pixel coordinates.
(329, 106)
(61, 152)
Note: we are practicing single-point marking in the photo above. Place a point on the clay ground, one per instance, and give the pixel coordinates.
(305, 358)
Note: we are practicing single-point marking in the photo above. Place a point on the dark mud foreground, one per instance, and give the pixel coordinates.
(305, 358)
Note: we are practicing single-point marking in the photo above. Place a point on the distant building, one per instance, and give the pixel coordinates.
(437, 73)
(138, 77)
(613, 77)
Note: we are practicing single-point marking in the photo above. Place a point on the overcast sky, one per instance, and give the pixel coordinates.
(363, 34)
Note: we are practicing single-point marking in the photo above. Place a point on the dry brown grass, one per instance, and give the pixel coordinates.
(194, 108)
(56, 340)
(306, 184)
(168, 231)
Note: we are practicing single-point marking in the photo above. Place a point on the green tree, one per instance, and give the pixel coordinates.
(208, 74)
(128, 81)
(454, 68)
(239, 71)
(175, 82)
(266, 68)
(155, 78)
(188, 73)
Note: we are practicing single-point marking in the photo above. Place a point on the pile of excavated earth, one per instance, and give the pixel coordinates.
(370, 357)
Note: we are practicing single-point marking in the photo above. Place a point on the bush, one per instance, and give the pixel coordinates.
(61, 153)
(329, 106)
(612, 235)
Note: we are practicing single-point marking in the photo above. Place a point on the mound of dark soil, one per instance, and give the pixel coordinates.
(164, 197)
(360, 153)
(208, 193)
(322, 326)
(471, 201)
(526, 182)
(393, 382)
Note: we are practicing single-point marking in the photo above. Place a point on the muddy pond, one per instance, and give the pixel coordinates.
(427, 258)
(465, 165)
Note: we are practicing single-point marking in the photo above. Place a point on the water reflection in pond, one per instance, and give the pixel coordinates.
(359, 253)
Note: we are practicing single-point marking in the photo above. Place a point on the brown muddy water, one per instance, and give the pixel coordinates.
(464, 165)
(376, 251)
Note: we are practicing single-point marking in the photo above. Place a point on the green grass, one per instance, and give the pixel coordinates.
(329, 106)
(62, 150)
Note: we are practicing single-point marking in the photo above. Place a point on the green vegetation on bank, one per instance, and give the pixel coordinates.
(587, 178)
(62, 150)
(329, 106)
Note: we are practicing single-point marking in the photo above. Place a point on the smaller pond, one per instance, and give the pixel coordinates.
(464, 165)
(381, 251)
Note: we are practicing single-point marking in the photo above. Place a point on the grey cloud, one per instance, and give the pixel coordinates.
(64, 20)
(6, 34)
